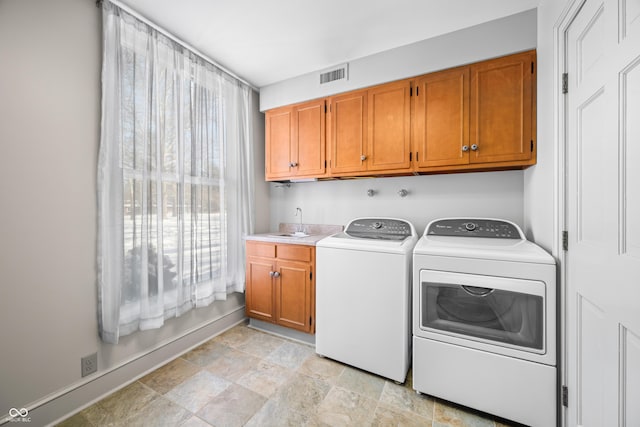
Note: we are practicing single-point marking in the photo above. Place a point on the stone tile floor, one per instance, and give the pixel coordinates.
(245, 377)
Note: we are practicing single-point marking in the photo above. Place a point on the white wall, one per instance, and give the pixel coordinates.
(540, 204)
(49, 131)
(486, 194)
(492, 39)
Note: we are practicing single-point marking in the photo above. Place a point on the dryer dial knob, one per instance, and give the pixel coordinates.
(470, 226)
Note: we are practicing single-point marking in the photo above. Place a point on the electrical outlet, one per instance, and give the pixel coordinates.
(89, 364)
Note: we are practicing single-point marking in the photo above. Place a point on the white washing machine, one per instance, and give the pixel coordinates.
(484, 319)
(363, 296)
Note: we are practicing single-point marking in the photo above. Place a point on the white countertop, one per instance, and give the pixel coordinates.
(316, 233)
(275, 237)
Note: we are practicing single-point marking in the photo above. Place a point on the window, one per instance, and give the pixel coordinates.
(174, 179)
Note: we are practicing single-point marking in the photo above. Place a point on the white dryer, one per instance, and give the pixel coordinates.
(363, 296)
(484, 319)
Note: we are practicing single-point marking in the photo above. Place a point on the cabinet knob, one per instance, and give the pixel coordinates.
(474, 147)
(276, 274)
(465, 148)
(293, 164)
(271, 273)
(363, 157)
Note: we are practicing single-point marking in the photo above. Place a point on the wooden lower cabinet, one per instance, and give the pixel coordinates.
(280, 287)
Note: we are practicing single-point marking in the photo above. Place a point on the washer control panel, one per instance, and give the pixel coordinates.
(470, 227)
(379, 228)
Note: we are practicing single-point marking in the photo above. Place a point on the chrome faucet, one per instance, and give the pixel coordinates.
(300, 226)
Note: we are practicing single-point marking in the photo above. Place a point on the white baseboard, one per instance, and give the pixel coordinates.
(68, 402)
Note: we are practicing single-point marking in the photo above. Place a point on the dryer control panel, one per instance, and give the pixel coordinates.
(471, 227)
(379, 228)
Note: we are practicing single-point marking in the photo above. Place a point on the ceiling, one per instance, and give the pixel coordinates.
(265, 42)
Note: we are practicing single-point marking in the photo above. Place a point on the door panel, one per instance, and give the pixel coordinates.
(278, 142)
(629, 19)
(590, 188)
(348, 132)
(601, 266)
(591, 337)
(590, 46)
(309, 137)
(501, 109)
(630, 159)
(630, 377)
(259, 294)
(293, 296)
(389, 127)
(441, 127)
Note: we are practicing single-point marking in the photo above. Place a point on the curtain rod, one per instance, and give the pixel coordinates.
(177, 40)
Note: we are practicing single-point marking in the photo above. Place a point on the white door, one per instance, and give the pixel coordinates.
(603, 214)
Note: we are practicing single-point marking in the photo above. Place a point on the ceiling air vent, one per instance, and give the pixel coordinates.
(338, 73)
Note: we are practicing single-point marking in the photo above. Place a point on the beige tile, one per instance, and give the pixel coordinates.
(290, 355)
(276, 413)
(387, 416)
(170, 375)
(206, 353)
(361, 382)
(322, 368)
(260, 345)
(159, 413)
(265, 378)
(195, 422)
(233, 364)
(198, 390)
(121, 405)
(446, 415)
(232, 408)
(236, 336)
(302, 393)
(343, 407)
(406, 399)
(78, 420)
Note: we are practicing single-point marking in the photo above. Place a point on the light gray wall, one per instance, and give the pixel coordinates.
(540, 181)
(486, 194)
(49, 131)
(496, 38)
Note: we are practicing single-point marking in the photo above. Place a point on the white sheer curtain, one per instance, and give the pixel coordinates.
(174, 179)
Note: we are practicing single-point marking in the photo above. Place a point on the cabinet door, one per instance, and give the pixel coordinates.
(308, 153)
(293, 295)
(278, 142)
(502, 109)
(348, 132)
(259, 295)
(389, 127)
(441, 119)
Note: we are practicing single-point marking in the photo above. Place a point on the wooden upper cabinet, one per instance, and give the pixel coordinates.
(308, 153)
(389, 123)
(295, 141)
(348, 133)
(502, 109)
(278, 142)
(441, 119)
(475, 117)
